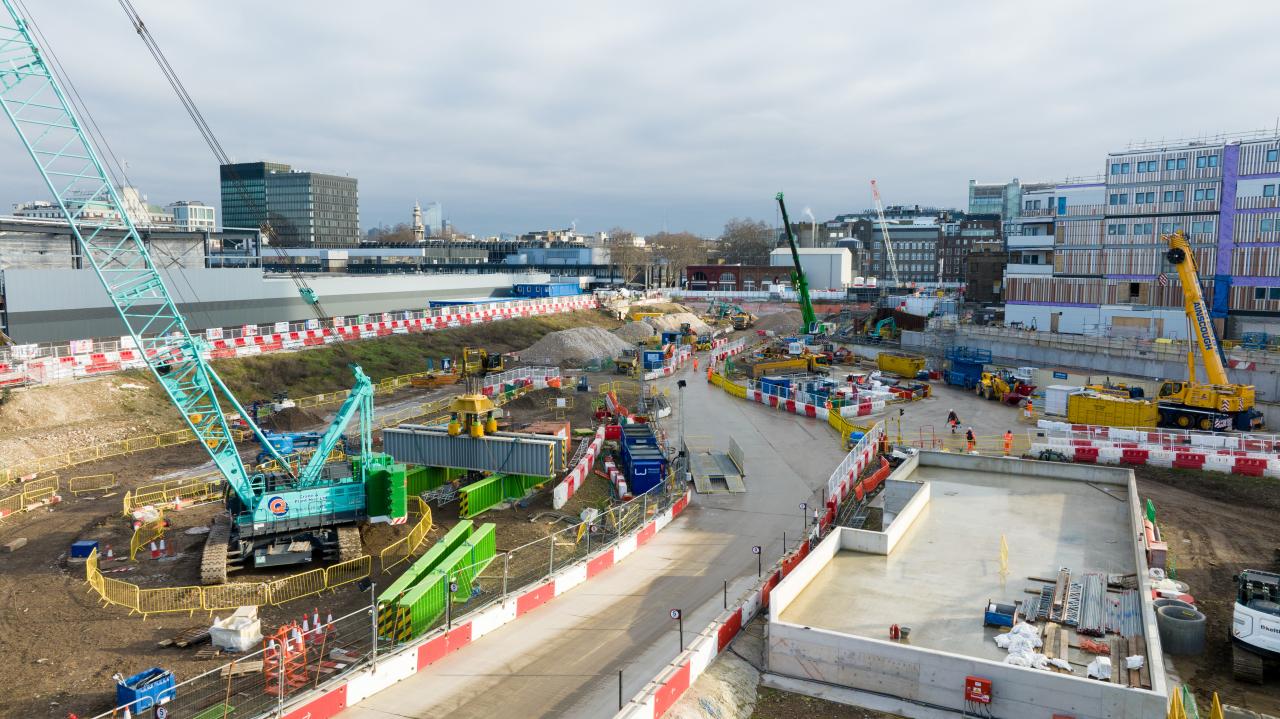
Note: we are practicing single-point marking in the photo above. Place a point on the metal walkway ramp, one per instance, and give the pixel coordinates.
(715, 471)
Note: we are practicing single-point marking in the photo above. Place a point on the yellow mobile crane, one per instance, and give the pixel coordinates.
(1218, 404)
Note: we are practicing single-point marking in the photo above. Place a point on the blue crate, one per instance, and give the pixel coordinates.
(82, 549)
(146, 689)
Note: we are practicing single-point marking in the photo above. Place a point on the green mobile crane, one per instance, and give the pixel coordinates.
(798, 280)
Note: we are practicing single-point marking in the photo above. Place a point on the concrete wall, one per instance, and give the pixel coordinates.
(938, 677)
(53, 305)
(882, 543)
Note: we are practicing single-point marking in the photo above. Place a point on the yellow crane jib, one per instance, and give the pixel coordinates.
(1216, 404)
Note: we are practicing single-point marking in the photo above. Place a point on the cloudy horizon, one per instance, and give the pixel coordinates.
(520, 116)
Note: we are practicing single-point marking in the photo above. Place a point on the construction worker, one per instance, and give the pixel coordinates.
(1008, 442)
(1029, 411)
(695, 363)
(970, 441)
(953, 419)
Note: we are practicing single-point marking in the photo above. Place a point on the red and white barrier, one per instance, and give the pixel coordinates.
(1115, 451)
(413, 658)
(576, 476)
(83, 362)
(659, 695)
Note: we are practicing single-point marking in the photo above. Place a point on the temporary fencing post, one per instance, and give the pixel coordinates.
(506, 564)
(551, 565)
(373, 614)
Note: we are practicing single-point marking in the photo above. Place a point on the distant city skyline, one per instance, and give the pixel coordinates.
(528, 118)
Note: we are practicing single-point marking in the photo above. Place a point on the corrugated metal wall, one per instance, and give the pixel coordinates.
(433, 447)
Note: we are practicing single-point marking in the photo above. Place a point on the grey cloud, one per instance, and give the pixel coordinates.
(520, 115)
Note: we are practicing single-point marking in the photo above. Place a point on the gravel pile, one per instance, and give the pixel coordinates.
(673, 322)
(575, 347)
(785, 322)
(635, 331)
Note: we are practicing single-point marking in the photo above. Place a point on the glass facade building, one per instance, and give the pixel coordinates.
(306, 209)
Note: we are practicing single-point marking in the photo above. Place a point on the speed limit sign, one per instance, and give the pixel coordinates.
(675, 613)
(453, 587)
(755, 549)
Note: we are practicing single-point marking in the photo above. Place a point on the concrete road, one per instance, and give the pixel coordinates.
(563, 658)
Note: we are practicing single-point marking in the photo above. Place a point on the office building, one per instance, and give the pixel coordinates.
(305, 209)
(192, 216)
(1095, 262)
(433, 219)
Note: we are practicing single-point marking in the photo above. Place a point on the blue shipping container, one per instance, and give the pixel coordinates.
(550, 289)
(775, 386)
(653, 359)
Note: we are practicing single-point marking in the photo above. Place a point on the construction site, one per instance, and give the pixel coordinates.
(825, 508)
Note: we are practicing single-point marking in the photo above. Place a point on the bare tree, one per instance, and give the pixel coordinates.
(624, 256)
(401, 234)
(747, 242)
(679, 250)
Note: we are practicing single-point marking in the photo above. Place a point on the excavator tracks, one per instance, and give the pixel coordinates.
(349, 544)
(213, 562)
(1246, 666)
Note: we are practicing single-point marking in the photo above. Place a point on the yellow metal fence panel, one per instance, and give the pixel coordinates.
(169, 599)
(348, 571)
(231, 596)
(296, 587)
(145, 534)
(401, 549)
(91, 483)
(11, 504)
(115, 591)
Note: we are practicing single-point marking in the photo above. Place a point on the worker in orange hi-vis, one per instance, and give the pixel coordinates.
(695, 363)
(1029, 411)
(1008, 442)
(970, 441)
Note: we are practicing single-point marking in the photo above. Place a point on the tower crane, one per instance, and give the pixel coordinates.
(275, 517)
(884, 233)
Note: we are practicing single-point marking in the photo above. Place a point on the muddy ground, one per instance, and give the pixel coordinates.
(61, 647)
(1216, 525)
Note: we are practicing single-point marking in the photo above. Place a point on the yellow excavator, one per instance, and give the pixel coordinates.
(1216, 404)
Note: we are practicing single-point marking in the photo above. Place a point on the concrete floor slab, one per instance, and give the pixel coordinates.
(939, 577)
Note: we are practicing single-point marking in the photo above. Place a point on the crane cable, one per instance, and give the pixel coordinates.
(220, 154)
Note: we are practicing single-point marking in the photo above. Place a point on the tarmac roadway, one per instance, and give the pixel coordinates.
(563, 658)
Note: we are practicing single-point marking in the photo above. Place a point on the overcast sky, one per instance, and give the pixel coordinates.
(677, 115)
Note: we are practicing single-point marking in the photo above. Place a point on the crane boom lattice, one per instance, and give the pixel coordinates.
(884, 233)
(73, 171)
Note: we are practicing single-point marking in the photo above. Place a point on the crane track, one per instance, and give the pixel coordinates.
(349, 544)
(213, 561)
(1246, 666)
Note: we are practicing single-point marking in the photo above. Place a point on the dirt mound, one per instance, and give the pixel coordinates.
(294, 419)
(635, 331)
(782, 322)
(674, 321)
(575, 347)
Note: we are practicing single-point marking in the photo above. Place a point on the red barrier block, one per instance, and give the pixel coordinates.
(1086, 454)
(728, 630)
(1251, 466)
(671, 690)
(533, 599)
(1134, 456)
(1188, 460)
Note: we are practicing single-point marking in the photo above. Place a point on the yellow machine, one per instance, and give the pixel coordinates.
(704, 343)
(907, 366)
(1217, 404)
(473, 411)
(476, 361)
(743, 320)
(627, 362)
